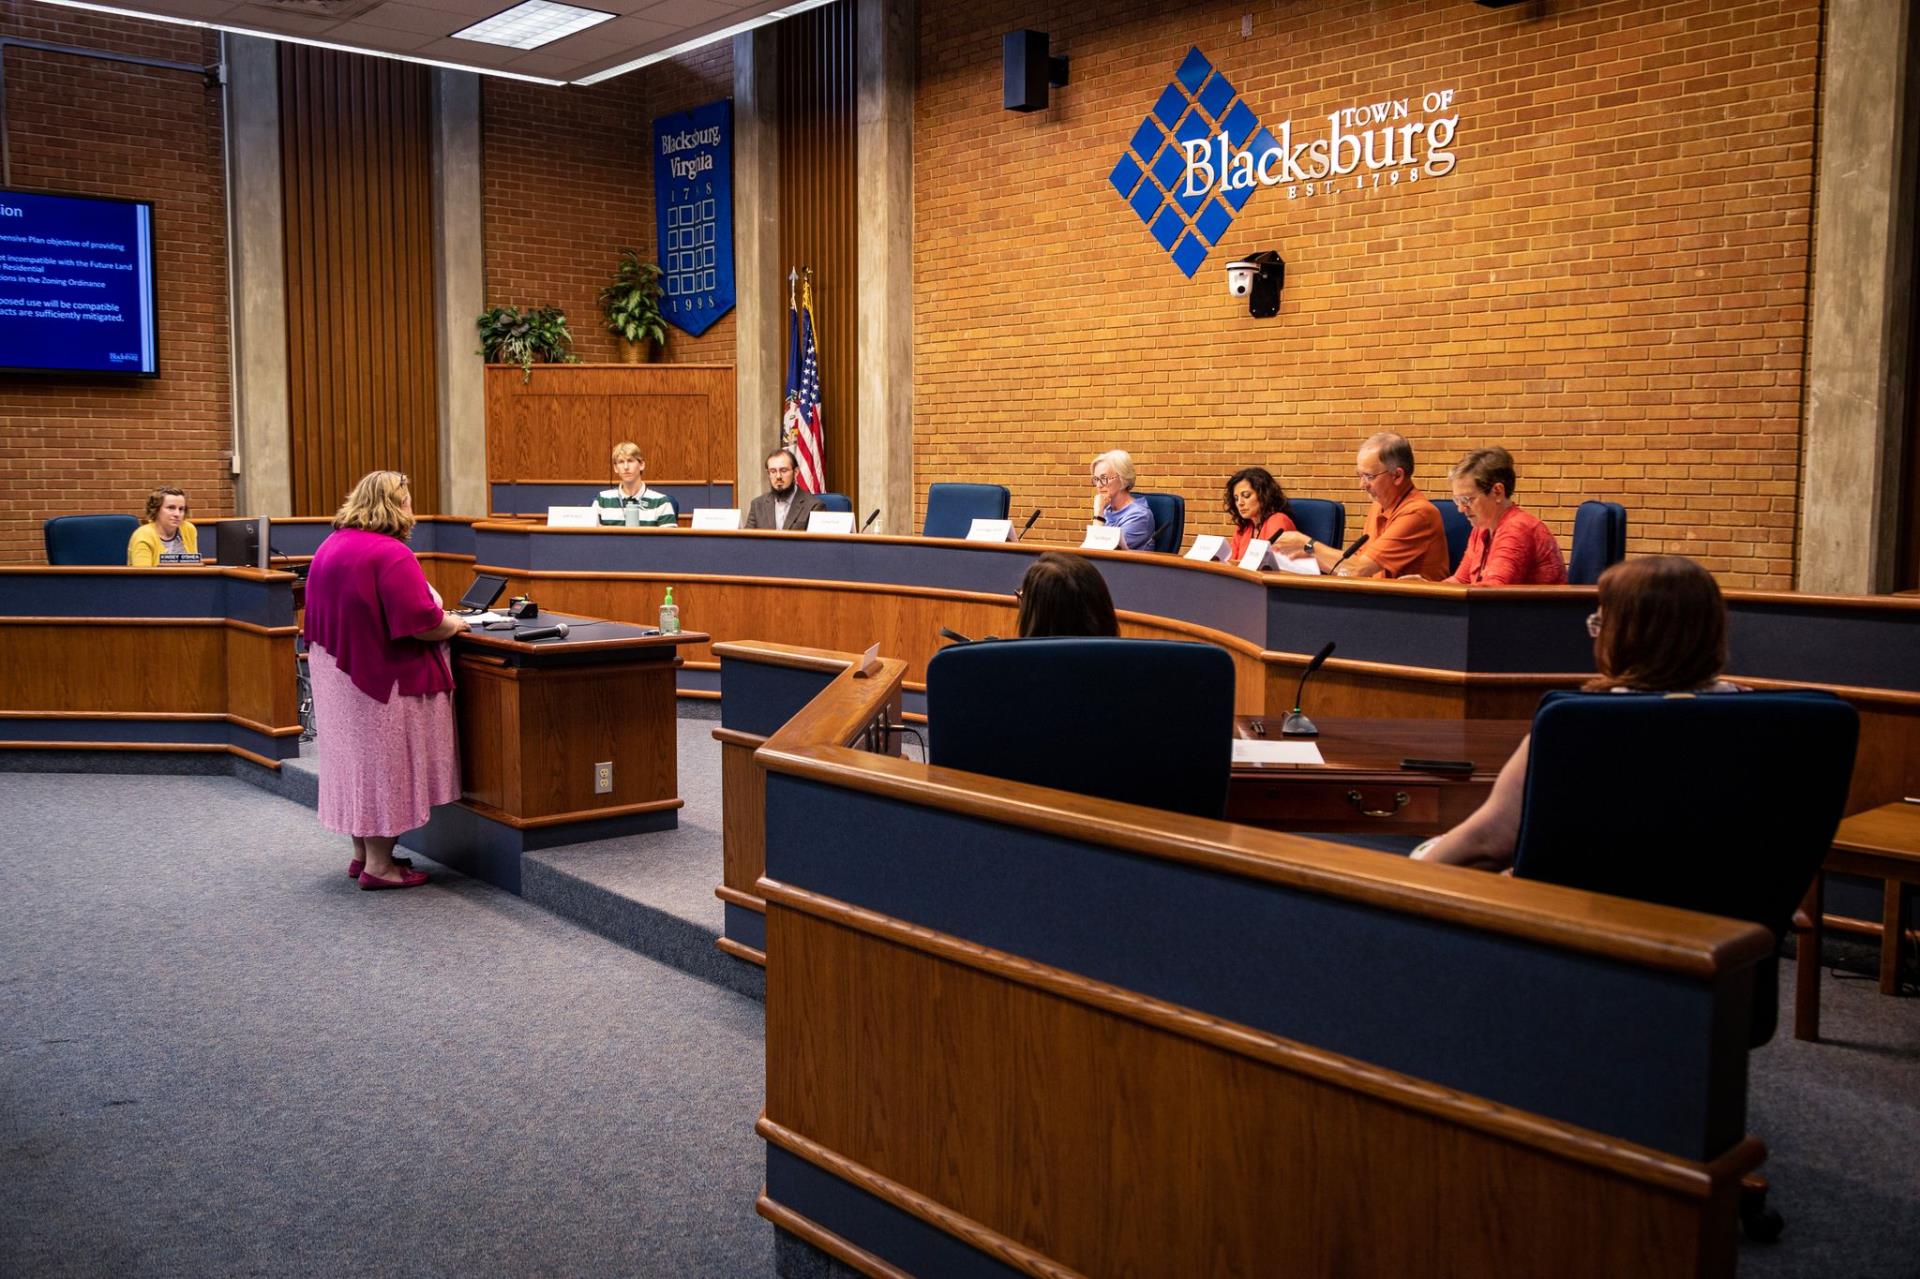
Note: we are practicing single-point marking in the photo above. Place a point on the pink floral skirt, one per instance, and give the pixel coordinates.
(383, 765)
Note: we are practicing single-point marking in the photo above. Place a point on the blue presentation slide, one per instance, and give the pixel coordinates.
(76, 284)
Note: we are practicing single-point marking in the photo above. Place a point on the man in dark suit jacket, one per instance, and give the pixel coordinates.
(786, 505)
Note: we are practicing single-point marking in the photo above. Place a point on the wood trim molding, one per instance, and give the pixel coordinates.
(493, 814)
(769, 653)
(92, 623)
(740, 950)
(734, 737)
(733, 579)
(193, 748)
(1630, 932)
(1579, 1145)
(996, 1245)
(819, 1236)
(746, 901)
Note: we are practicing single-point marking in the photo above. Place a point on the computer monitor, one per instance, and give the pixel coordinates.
(480, 596)
(241, 542)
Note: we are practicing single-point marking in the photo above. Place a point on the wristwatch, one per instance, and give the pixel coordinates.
(1308, 548)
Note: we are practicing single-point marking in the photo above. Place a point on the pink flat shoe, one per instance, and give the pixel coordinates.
(355, 866)
(408, 879)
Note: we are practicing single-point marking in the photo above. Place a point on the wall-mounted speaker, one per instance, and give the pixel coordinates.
(1028, 70)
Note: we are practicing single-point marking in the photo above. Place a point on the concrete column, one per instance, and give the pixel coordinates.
(1863, 234)
(760, 369)
(262, 431)
(884, 102)
(460, 290)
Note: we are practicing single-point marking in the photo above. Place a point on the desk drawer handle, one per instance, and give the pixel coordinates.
(1400, 800)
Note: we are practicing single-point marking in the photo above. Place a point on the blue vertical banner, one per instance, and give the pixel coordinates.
(693, 213)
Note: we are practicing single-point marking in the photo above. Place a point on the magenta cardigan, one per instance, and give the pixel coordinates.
(366, 600)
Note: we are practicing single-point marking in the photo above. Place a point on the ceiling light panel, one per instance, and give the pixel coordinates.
(532, 24)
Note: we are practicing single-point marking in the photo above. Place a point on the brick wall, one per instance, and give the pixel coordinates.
(568, 183)
(1611, 281)
(73, 445)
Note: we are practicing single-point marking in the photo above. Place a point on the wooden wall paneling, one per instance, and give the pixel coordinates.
(358, 250)
(819, 210)
(262, 678)
(1074, 1133)
(743, 829)
(562, 425)
(668, 428)
(503, 427)
(149, 666)
(565, 717)
(487, 713)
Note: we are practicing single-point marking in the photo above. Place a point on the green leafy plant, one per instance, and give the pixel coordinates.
(539, 335)
(631, 304)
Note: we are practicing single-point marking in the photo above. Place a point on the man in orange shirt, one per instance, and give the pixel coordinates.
(1405, 537)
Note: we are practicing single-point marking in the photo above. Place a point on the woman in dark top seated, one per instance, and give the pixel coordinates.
(1259, 508)
(1661, 628)
(1065, 595)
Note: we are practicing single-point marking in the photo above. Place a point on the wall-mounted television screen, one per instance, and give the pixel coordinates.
(76, 285)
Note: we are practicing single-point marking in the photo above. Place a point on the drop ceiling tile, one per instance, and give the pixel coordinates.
(363, 36)
(414, 18)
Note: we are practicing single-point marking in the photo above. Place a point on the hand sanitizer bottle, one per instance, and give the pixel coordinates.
(669, 615)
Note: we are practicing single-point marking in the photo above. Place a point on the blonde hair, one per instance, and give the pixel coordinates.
(375, 505)
(159, 496)
(627, 448)
(1122, 463)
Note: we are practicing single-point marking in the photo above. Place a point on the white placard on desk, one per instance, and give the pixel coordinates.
(1259, 555)
(1101, 537)
(716, 517)
(830, 522)
(1208, 547)
(1258, 750)
(1304, 565)
(990, 531)
(573, 517)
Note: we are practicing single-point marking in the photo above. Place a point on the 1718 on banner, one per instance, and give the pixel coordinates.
(693, 214)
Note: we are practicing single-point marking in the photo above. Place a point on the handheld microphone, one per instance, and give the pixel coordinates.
(557, 631)
(1347, 554)
(953, 636)
(1031, 520)
(870, 520)
(1298, 725)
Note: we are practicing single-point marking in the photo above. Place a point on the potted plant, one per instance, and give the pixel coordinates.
(631, 305)
(539, 334)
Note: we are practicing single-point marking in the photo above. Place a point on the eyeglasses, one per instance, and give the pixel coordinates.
(1101, 481)
(1593, 624)
(1364, 478)
(1466, 503)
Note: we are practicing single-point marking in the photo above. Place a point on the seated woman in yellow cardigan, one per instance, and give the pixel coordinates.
(167, 532)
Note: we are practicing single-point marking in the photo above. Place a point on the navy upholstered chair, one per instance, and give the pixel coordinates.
(1145, 721)
(952, 508)
(88, 539)
(1459, 528)
(1320, 518)
(1722, 803)
(835, 502)
(1169, 520)
(1599, 541)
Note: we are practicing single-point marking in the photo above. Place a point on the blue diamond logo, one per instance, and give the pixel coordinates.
(1152, 177)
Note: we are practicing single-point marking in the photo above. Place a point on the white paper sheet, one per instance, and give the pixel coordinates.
(1258, 750)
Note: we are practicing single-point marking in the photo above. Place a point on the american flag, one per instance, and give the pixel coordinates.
(800, 426)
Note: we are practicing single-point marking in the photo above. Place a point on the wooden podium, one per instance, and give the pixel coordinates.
(562, 741)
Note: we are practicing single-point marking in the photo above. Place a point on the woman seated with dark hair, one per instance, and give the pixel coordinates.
(1661, 628)
(1065, 595)
(1259, 508)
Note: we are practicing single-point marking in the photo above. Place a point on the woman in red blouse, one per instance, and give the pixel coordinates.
(1508, 546)
(1259, 508)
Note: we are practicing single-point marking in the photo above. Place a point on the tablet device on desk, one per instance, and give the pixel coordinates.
(485, 590)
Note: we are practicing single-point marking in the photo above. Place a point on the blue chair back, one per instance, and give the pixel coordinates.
(1458, 527)
(1169, 520)
(1599, 541)
(1143, 721)
(1320, 518)
(835, 502)
(952, 508)
(1722, 803)
(88, 539)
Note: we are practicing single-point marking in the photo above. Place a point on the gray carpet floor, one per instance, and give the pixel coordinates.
(218, 1057)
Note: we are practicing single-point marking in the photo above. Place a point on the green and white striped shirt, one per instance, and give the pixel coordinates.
(656, 509)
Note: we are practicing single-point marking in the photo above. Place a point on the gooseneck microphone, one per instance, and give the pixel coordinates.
(870, 520)
(1031, 521)
(1346, 555)
(557, 631)
(952, 636)
(1296, 724)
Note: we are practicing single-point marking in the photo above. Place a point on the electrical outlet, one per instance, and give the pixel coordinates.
(603, 778)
